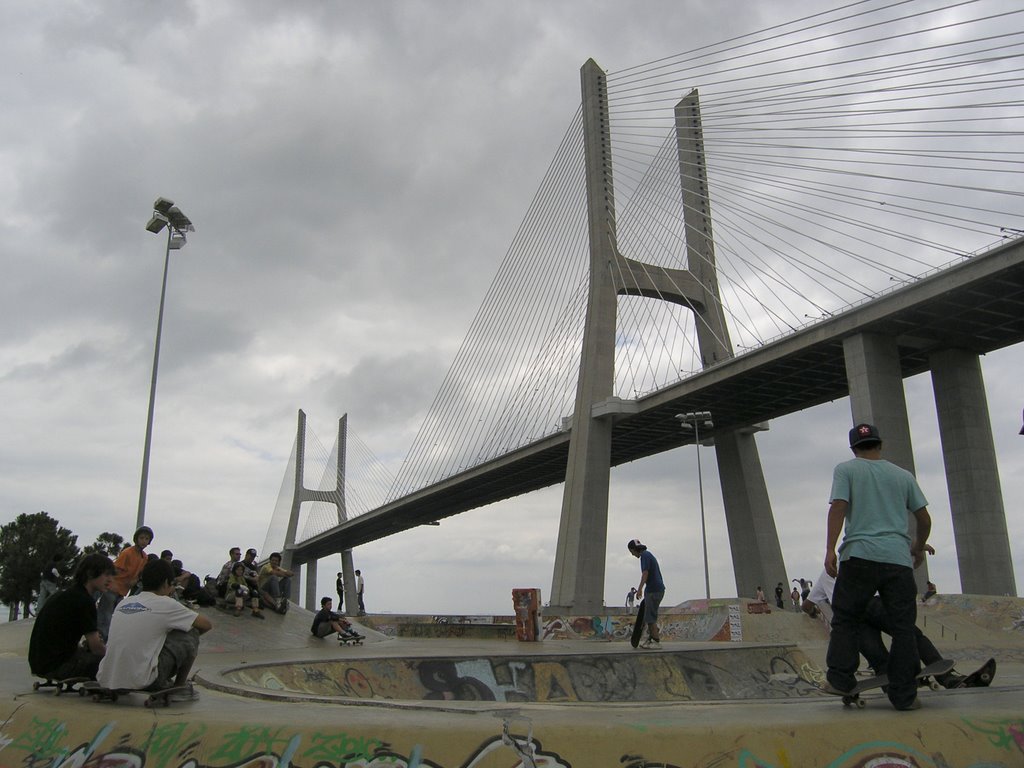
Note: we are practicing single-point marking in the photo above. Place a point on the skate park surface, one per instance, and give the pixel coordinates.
(732, 686)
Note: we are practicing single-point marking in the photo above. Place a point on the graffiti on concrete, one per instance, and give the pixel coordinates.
(46, 744)
(714, 674)
(55, 743)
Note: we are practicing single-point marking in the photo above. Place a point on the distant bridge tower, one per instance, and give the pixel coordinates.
(578, 582)
(336, 496)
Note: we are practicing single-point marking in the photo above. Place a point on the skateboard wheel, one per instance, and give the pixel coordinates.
(934, 685)
(36, 685)
(81, 692)
(985, 678)
(861, 703)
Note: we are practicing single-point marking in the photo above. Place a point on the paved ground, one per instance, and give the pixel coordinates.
(274, 696)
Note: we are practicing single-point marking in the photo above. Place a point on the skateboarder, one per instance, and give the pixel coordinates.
(326, 621)
(650, 578)
(873, 498)
(53, 650)
(875, 623)
(153, 638)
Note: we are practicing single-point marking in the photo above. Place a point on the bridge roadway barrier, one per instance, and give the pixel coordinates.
(709, 703)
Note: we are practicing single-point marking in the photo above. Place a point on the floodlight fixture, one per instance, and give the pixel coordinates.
(179, 220)
(163, 205)
(156, 223)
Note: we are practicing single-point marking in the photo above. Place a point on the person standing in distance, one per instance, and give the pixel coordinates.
(650, 578)
(873, 498)
(359, 592)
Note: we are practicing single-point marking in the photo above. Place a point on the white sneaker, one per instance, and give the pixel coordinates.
(178, 697)
(651, 644)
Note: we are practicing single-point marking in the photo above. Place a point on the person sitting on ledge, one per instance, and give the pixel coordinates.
(239, 590)
(275, 583)
(327, 621)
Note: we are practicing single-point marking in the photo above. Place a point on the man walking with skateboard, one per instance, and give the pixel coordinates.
(650, 577)
(873, 499)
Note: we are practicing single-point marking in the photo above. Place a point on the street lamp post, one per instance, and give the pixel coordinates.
(165, 215)
(695, 420)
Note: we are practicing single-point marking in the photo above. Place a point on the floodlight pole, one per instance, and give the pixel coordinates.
(140, 518)
(688, 420)
(165, 215)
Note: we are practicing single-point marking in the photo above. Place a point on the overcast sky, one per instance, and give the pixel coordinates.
(355, 172)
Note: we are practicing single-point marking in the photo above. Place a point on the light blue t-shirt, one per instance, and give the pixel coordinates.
(881, 496)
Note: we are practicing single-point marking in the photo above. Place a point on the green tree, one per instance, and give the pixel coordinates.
(27, 545)
(109, 544)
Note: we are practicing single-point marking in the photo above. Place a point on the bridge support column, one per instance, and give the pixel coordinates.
(578, 581)
(312, 603)
(972, 475)
(348, 573)
(877, 397)
(753, 537)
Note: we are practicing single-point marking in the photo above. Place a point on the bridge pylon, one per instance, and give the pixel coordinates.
(578, 581)
(336, 496)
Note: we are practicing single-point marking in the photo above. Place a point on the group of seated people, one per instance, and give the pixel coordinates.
(135, 622)
(142, 641)
(243, 580)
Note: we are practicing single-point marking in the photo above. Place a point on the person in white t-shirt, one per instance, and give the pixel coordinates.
(153, 638)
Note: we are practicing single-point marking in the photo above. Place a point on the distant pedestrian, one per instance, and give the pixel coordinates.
(631, 599)
(930, 592)
(779, 592)
(794, 598)
(49, 581)
(760, 595)
(650, 578)
(339, 585)
(359, 592)
(805, 587)
(873, 500)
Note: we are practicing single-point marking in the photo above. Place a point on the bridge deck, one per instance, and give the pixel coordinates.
(975, 305)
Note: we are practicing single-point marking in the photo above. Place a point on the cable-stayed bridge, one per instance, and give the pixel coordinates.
(813, 221)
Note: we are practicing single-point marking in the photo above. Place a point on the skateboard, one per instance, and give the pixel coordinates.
(67, 685)
(357, 640)
(153, 698)
(980, 678)
(638, 627)
(925, 677)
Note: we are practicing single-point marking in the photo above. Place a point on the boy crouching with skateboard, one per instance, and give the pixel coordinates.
(54, 652)
(153, 639)
(327, 621)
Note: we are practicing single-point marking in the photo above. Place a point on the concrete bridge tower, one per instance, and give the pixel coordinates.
(578, 582)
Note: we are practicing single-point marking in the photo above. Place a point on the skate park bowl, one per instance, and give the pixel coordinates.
(732, 687)
(696, 674)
